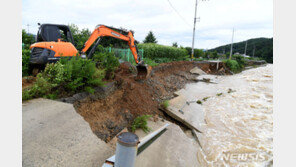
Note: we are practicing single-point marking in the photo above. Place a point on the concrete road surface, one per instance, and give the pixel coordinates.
(172, 149)
(55, 135)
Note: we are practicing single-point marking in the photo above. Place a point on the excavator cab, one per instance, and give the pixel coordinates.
(54, 32)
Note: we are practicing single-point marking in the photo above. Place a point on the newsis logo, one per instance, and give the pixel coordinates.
(244, 157)
(115, 34)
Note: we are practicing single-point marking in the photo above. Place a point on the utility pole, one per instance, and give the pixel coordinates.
(192, 51)
(28, 25)
(246, 48)
(231, 45)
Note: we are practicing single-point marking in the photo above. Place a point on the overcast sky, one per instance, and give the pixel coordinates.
(250, 18)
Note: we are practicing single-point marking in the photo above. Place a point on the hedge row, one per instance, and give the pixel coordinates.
(156, 51)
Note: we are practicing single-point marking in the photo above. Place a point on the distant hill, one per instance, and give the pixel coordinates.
(263, 48)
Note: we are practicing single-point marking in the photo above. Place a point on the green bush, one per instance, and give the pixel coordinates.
(141, 122)
(107, 61)
(27, 39)
(65, 76)
(150, 62)
(156, 52)
(25, 61)
(233, 65)
(240, 60)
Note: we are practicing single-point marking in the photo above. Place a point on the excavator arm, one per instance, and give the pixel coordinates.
(102, 31)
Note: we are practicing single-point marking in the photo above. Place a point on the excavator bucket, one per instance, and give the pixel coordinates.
(143, 71)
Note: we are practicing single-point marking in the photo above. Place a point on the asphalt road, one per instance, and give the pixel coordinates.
(55, 135)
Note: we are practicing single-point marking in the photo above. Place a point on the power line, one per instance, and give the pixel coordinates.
(179, 13)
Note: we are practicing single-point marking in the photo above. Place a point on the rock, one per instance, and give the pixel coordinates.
(197, 70)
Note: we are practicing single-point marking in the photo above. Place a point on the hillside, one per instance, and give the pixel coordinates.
(263, 48)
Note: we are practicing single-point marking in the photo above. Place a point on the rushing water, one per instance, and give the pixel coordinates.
(238, 115)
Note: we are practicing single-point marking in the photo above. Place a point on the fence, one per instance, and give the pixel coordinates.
(125, 54)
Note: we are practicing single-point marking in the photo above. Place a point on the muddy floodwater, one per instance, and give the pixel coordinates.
(238, 113)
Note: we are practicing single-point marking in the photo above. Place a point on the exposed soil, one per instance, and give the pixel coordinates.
(28, 81)
(110, 115)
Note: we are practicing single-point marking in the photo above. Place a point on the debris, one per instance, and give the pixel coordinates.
(199, 102)
(197, 70)
(205, 99)
(230, 91)
(219, 94)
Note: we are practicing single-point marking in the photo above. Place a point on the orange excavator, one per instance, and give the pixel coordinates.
(54, 41)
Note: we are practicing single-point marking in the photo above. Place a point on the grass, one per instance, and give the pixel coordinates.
(199, 102)
(141, 122)
(165, 104)
(219, 94)
(205, 99)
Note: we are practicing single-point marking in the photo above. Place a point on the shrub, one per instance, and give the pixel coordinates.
(27, 39)
(233, 65)
(150, 62)
(240, 60)
(141, 122)
(25, 61)
(70, 76)
(107, 61)
(155, 52)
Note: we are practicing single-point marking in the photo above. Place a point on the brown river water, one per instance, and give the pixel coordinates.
(238, 112)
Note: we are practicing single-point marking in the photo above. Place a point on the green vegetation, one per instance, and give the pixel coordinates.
(175, 44)
(150, 38)
(79, 36)
(233, 65)
(198, 53)
(65, 77)
(240, 60)
(106, 60)
(150, 62)
(161, 53)
(230, 90)
(219, 94)
(205, 99)
(165, 104)
(27, 39)
(141, 122)
(25, 62)
(263, 48)
(199, 102)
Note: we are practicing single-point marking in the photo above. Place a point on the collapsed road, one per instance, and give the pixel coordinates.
(111, 109)
(129, 98)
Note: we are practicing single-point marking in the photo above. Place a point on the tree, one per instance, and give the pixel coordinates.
(150, 38)
(215, 55)
(175, 44)
(27, 39)
(80, 37)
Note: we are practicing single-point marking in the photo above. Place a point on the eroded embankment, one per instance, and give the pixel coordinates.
(108, 116)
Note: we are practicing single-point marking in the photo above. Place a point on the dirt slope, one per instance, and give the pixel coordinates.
(109, 116)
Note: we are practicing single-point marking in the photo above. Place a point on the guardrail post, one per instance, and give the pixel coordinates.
(126, 149)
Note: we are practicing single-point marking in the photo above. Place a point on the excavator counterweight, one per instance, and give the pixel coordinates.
(55, 41)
